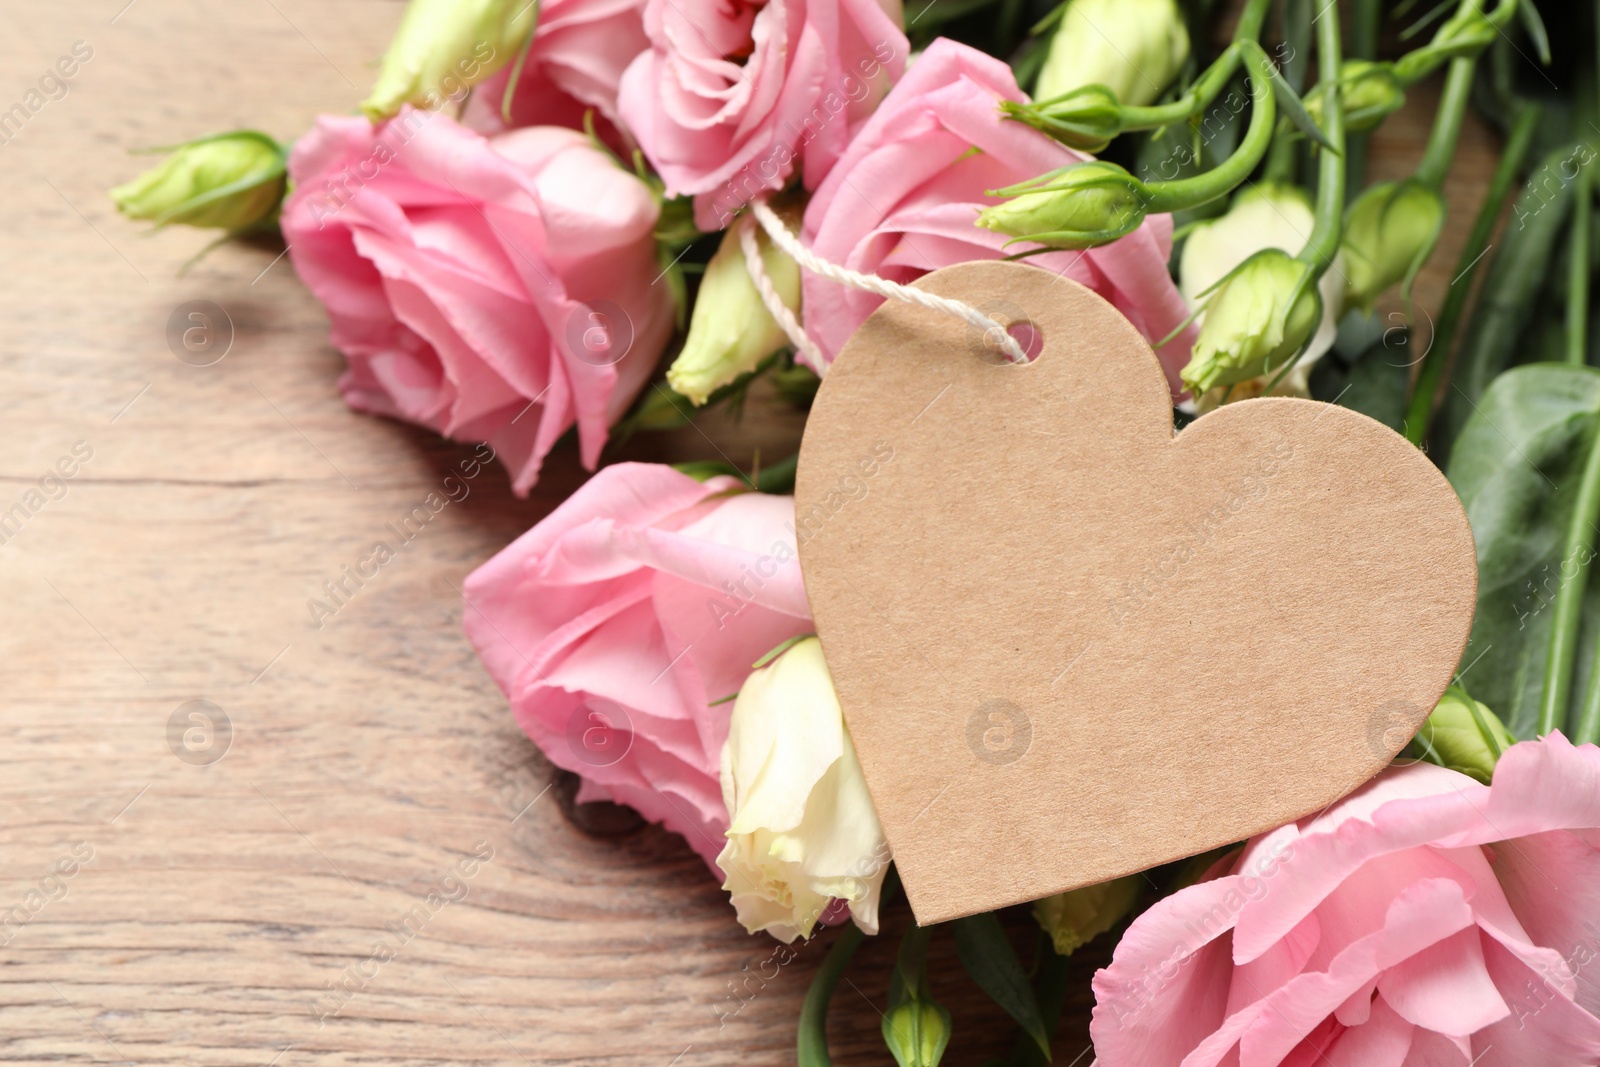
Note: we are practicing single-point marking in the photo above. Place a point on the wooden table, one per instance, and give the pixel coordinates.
(210, 906)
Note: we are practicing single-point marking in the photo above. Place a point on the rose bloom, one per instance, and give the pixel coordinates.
(493, 289)
(903, 199)
(616, 623)
(580, 49)
(734, 96)
(1425, 921)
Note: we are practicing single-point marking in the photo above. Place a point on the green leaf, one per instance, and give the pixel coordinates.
(1295, 110)
(777, 651)
(987, 955)
(1374, 382)
(1508, 298)
(1516, 466)
(778, 478)
(1533, 23)
(703, 470)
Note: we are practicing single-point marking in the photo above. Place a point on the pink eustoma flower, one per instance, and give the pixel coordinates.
(616, 625)
(499, 289)
(903, 199)
(1424, 921)
(734, 96)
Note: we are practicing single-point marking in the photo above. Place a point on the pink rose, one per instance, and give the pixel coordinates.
(902, 201)
(733, 94)
(579, 53)
(1426, 920)
(497, 289)
(614, 624)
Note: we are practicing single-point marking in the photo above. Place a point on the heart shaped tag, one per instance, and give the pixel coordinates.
(1071, 645)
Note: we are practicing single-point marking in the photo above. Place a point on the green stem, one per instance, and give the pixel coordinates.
(1329, 215)
(1447, 125)
(1420, 413)
(1184, 193)
(1451, 43)
(1578, 271)
(811, 1046)
(1209, 84)
(1282, 164)
(811, 1043)
(1297, 18)
(1569, 597)
(516, 68)
(1363, 44)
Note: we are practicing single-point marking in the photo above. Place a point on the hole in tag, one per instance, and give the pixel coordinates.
(985, 343)
(1028, 336)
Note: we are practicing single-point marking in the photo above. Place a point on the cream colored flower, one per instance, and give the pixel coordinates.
(731, 330)
(1075, 918)
(803, 830)
(1133, 47)
(1262, 216)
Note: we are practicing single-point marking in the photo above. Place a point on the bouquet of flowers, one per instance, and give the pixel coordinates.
(595, 218)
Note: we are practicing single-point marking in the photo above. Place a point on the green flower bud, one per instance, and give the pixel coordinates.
(232, 181)
(1369, 91)
(1081, 206)
(1258, 318)
(1132, 47)
(917, 1032)
(1075, 918)
(1389, 232)
(1087, 118)
(1464, 735)
(731, 331)
(445, 47)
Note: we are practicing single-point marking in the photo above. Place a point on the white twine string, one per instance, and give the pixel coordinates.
(994, 332)
(774, 303)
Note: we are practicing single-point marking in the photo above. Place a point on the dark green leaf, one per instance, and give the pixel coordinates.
(1293, 109)
(1374, 383)
(703, 470)
(1516, 466)
(1506, 301)
(1533, 23)
(991, 961)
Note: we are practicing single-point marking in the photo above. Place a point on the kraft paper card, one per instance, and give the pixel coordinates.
(1072, 644)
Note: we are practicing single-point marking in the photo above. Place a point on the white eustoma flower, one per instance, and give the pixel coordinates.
(1265, 215)
(803, 829)
(1133, 47)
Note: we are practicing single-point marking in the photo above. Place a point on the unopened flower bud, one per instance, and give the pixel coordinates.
(1369, 91)
(1132, 47)
(1464, 735)
(1256, 321)
(445, 47)
(232, 181)
(1081, 206)
(731, 330)
(1389, 232)
(1075, 918)
(917, 1032)
(1087, 118)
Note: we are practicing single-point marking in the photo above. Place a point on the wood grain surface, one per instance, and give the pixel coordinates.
(210, 908)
